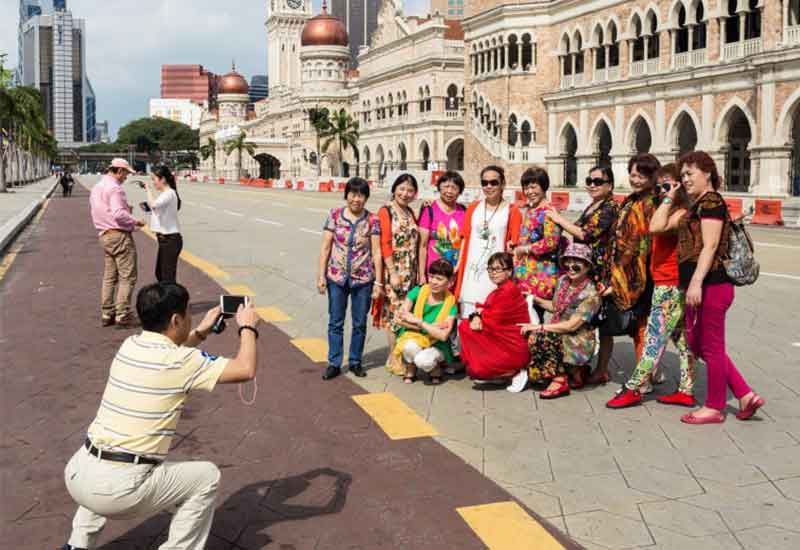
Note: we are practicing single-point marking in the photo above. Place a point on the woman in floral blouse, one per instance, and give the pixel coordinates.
(349, 264)
(536, 255)
(399, 248)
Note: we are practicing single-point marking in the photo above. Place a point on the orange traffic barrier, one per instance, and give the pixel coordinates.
(221, 181)
(619, 198)
(301, 185)
(768, 212)
(341, 185)
(288, 184)
(435, 175)
(735, 208)
(559, 200)
(268, 184)
(242, 181)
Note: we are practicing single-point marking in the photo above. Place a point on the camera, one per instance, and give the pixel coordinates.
(229, 304)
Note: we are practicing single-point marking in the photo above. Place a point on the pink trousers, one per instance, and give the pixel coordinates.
(705, 332)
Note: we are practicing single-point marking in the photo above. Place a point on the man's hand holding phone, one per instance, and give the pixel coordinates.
(247, 316)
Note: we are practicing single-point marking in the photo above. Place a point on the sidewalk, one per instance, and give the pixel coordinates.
(303, 468)
(19, 205)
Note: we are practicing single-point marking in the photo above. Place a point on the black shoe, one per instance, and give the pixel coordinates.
(358, 370)
(331, 372)
(107, 321)
(68, 547)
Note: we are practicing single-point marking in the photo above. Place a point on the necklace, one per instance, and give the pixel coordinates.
(484, 231)
(563, 300)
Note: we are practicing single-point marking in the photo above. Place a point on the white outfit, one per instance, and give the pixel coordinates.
(123, 491)
(164, 216)
(426, 359)
(476, 285)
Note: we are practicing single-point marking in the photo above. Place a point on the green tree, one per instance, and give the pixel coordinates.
(210, 150)
(156, 136)
(320, 121)
(239, 144)
(343, 130)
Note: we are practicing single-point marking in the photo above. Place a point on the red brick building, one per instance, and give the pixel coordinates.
(188, 82)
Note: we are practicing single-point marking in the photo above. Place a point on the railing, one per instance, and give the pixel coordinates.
(752, 46)
(600, 75)
(453, 114)
(793, 34)
(638, 68)
(681, 60)
(577, 79)
(566, 81)
(698, 57)
(613, 73)
(653, 66)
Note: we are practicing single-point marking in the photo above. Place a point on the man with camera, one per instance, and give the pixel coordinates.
(121, 471)
(112, 217)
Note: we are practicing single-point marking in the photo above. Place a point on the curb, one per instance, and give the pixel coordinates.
(13, 227)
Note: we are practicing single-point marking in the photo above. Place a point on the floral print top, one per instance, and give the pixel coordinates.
(399, 240)
(597, 222)
(629, 252)
(445, 232)
(537, 272)
(351, 254)
(578, 346)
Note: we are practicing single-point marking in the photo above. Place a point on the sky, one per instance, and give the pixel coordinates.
(128, 41)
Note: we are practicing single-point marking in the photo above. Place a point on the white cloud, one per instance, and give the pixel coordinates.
(128, 41)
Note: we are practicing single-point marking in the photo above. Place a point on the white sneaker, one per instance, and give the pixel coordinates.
(519, 382)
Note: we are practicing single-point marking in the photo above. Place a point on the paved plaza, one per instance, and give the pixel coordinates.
(635, 478)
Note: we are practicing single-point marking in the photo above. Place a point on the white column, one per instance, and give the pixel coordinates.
(706, 132)
(691, 38)
(785, 20)
(767, 118)
(519, 55)
(646, 45)
(505, 56)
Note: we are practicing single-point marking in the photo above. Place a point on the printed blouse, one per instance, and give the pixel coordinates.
(445, 232)
(690, 239)
(351, 254)
(537, 272)
(597, 223)
(578, 346)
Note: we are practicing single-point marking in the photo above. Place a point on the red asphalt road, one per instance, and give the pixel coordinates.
(303, 468)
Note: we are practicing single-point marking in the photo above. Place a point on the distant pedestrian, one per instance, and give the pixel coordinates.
(65, 181)
(112, 217)
(164, 203)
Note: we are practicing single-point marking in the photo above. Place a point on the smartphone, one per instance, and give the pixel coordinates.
(230, 304)
(144, 206)
(140, 184)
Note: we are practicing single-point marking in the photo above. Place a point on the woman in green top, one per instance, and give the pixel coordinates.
(426, 321)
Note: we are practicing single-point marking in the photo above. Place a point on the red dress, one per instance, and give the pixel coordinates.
(499, 350)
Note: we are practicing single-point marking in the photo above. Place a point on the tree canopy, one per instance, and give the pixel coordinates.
(152, 135)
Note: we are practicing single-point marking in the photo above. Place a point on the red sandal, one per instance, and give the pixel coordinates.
(562, 390)
(755, 403)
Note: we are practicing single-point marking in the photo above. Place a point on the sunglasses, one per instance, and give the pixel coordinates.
(665, 187)
(595, 182)
(490, 183)
(573, 267)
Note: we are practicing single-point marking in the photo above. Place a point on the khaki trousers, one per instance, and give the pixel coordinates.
(115, 490)
(119, 276)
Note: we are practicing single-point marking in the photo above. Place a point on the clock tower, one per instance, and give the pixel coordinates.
(285, 20)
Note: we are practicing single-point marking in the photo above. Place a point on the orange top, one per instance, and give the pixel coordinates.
(664, 259)
(386, 232)
(512, 236)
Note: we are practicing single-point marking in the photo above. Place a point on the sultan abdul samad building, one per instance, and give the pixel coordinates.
(561, 83)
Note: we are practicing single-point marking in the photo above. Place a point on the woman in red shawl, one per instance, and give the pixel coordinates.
(491, 344)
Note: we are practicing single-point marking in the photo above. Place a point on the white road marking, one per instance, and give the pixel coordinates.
(796, 344)
(776, 245)
(234, 213)
(781, 276)
(313, 232)
(323, 210)
(269, 222)
(207, 207)
(190, 203)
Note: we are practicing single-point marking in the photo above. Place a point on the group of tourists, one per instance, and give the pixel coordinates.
(517, 294)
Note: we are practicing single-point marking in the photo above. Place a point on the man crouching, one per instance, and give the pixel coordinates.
(120, 471)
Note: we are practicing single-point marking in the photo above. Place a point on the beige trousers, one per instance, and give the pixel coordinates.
(119, 277)
(115, 490)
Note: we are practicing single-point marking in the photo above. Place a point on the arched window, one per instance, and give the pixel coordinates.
(638, 41)
(513, 52)
(565, 50)
(654, 43)
(526, 135)
(578, 52)
(732, 30)
(527, 52)
(599, 50)
(512, 130)
(613, 52)
(699, 38)
(682, 35)
(451, 102)
(752, 27)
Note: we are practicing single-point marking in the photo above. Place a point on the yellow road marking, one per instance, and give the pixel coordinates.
(239, 290)
(272, 314)
(206, 267)
(315, 348)
(396, 418)
(506, 526)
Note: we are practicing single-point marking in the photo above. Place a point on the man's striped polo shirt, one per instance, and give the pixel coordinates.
(149, 381)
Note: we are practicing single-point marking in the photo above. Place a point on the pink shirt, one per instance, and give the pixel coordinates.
(109, 206)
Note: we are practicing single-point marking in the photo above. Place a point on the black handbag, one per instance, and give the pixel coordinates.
(615, 322)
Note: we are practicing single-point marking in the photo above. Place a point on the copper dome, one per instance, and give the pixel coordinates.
(233, 83)
(324, 30)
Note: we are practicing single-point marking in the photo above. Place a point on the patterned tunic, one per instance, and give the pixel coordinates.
(404, 241)
(351, 253)
(630, 249)
(690, 239)
(537, 272)
(597, 222)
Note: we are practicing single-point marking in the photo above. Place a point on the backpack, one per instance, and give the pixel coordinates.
(739, 260)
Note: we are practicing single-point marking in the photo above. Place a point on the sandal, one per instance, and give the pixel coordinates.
(561, 390)
(597, 379)
(409, 379)
(690, 418)
(755, 403)
(578, 377)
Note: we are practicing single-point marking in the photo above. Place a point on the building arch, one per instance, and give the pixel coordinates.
(598, 35)
(424, 154)
(790, 110)
(635, 17)
(653, 10)
(674, 11)
(380, 161)
(601, 119)
(269, 167)
(455, 155)
(641, 138)
(612, 26)
(634, 126)
(723, 121)
(365, 157)
(402, 156)
(568, 148)
(738, 138)
(565, 44)
(513, 130)
(684, 134)
(681, 115)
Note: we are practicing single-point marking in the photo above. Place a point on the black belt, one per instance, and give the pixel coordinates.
(118, 457)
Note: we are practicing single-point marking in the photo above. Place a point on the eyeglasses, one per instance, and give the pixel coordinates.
(497, 269)
(490, 183)
(595, 182)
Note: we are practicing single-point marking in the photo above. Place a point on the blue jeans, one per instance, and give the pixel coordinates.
(361, 299)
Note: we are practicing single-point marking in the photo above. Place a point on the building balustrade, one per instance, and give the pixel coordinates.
(736, 50)
(793, 34)
(566, 81)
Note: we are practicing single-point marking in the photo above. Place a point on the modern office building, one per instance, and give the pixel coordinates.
(53, 60)
(102, 132)
(180, 110)
(259, 88)
(452, 9)
(360, 18)
(190, 82)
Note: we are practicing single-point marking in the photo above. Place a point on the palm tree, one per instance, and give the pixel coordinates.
(210, 150)
(240, 144)
(320, 121)
(344, 130)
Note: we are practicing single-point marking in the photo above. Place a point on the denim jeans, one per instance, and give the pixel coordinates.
(361, 299)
